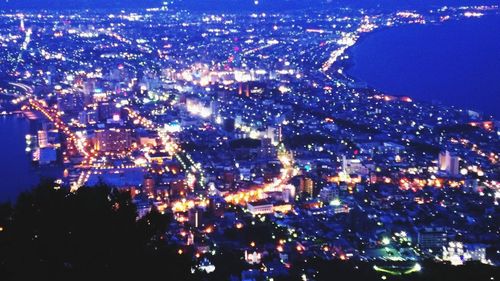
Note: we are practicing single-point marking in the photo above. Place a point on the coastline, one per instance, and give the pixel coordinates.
(18, 171)
(348, 64)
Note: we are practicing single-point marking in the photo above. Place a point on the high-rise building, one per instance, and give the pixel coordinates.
(88, 89)
(306, 185)
(449, 163)
(443, 160)
(288, 193)
(454, 166)
(271, 134)
(149, 185)
(267, 149)
(329, 193)
(43, 139)
(112, 139)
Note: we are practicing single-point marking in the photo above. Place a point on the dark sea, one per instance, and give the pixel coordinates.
(455, 63)
(17, 173)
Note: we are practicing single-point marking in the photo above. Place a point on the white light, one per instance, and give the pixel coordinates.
(417, 267)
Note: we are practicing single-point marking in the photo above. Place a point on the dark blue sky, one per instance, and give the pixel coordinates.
(226, 5)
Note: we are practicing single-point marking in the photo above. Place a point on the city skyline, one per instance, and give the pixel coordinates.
(157, 140)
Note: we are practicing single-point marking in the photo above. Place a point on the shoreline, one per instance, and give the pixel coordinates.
(30, 173)
(347, 64)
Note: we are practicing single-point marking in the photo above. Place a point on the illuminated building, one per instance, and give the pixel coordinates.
(43, 139)
(149, 185)
(282, 208)
(329, 193)
(159, 157)
(260, 208)
(353, 166)
(443, 160)
(458, 253)
(143, 208)
(449, 163)
(267, 149)
(113, 139)
(339, 209)
(289, 193)
(190, 238)
(306, 185)
(432, 238)
(88, 89)
(253, 257)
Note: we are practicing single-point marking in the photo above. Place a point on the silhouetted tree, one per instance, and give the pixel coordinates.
(92, 233)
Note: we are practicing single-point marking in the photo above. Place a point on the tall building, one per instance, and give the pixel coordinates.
(88, 89)
(267, 149)
(149, 185)
(443, 160)
(449, 163)
(43, 139)
(454, 166)
(270, 133)
(306, 185)
(112, 139)
(329, 193)
(288, 193)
